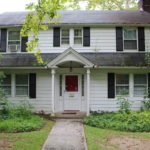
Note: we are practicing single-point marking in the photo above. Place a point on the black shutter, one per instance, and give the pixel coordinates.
(56, 37)
(141, 38)
(119, 39)
(23, 44)
(3, 40)
(149, 85)
(86, 36)
(32, 85)
(111, 85)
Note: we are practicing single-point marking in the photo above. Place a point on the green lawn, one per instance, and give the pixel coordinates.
(99, 139)
(26, 140)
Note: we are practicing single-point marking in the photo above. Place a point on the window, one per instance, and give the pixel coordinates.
(22, 85)
(14, 41)
(122, 84)
(65, 36)
(130, 39)
(77, 36)
(140, 84)
(6, 84)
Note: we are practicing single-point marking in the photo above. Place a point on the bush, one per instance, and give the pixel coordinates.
(21, 124)
(19, 118)
(125, 121)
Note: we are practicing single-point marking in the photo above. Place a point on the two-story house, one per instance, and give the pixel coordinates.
(92, 57)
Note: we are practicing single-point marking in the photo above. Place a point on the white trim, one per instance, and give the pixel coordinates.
(88, 91)
(79, 58)
(53, 89)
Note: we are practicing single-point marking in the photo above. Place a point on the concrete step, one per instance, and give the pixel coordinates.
(70, 115)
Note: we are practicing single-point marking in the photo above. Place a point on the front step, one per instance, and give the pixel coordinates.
(70, 115)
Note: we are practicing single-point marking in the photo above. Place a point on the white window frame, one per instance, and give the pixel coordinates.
(131, 50)
(61, 36)
(13, 40)
(122, 84)
(22, 85)
(78, 36)
(140, 84)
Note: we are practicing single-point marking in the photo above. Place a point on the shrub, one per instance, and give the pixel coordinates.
(21, 124)
(124, 103)
(146, 102)
(131, 121)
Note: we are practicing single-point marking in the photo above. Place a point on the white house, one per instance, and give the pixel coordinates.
(90, 57)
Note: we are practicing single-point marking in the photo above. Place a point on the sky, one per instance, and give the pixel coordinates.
(13, 5)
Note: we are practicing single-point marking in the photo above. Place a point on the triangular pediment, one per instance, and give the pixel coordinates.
(70, 55)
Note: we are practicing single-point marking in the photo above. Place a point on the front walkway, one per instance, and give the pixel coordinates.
(67, 134)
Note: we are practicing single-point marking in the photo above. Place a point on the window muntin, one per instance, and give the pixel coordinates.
(140, 84)
(22, 85)
(6, 84)
(14, 40)
(122, 84)
(130, 39)
(65, 35)
(78, 36)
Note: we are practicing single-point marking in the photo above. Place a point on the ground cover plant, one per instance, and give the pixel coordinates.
(135, 121)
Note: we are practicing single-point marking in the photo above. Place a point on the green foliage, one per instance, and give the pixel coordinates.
(21, 124)
(41, 14)
(19, 118)
(146, 102)
(133, 121)
(124, 103)
(107, 4)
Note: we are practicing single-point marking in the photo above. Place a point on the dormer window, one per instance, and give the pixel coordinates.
(130, 39)
(14, 41)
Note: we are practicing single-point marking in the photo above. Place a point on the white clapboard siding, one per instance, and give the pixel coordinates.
(43, 92)
(102, 40)
(99, 91)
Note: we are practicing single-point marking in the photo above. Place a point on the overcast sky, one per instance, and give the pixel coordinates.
(13, 5)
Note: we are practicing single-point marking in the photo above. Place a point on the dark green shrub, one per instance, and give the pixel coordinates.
(124, 121)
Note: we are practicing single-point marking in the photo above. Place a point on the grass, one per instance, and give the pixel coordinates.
(97, 139)
(27, 140)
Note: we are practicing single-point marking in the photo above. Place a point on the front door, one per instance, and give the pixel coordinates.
(72, 94)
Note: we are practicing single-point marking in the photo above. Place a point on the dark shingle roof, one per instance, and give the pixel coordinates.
(85, 17)
(99, 59)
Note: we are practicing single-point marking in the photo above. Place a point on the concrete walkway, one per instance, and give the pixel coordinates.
(67, 134)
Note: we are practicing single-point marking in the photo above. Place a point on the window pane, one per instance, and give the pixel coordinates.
(130, 44)
(7, 90)
(122, 79)
(140, 90)
(122, 90)
(140, 79)
(22, 79)
(78, 41)
(14, 35)
(6, 80)
(130, 34)
(65, 32)
(22, 90)
(65, 41)
(77, 32)
(14, 42)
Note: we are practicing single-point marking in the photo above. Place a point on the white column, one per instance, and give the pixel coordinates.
(53, 90)
(88, 91)
(13, 88)
(131, 85)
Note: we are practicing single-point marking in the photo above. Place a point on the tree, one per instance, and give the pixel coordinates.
(40, 16)
(107, 4)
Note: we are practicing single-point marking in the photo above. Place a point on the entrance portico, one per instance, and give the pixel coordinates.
(70, 82)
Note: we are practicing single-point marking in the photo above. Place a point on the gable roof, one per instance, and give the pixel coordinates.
(85, 17)
(98, 59)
